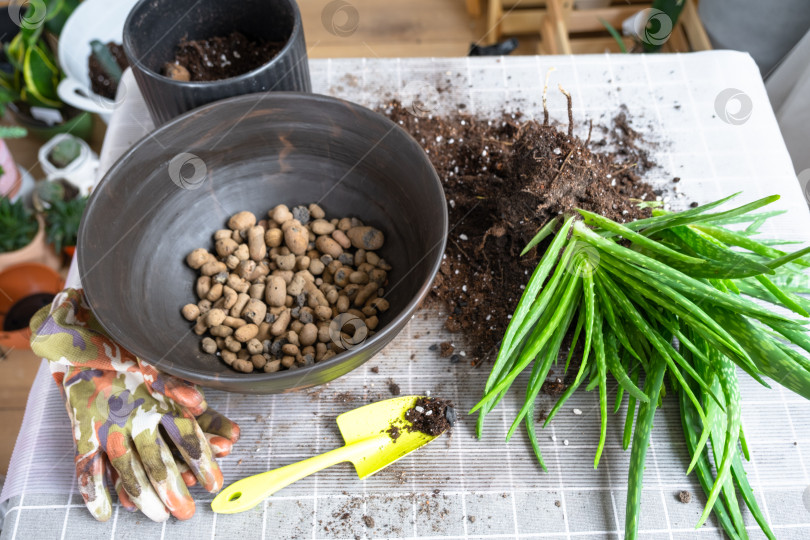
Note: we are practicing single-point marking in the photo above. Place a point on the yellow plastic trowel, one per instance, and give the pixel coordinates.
(371, 445)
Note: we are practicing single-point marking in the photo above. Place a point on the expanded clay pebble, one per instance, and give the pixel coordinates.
(270, 288)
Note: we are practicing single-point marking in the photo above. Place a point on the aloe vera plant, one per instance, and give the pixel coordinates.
(666, 299)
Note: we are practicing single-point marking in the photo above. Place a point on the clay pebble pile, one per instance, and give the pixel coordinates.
(289, 290)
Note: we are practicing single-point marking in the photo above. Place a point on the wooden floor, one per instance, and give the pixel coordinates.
(361, 28)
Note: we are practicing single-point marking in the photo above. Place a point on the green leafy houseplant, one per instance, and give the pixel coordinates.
(57, 13)
(18, 226)
(666, 300)
(62, 219)
(32, 82)
(36, 73)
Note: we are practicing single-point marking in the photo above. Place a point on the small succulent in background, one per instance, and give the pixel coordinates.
(62, 219)
(65, 152)
(18, 225)
(12, 132)
(52, 190)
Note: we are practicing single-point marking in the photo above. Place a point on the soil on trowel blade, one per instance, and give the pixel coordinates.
(431, 416)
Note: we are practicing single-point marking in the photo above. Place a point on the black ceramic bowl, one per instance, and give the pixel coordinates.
(170, 192)
(155, 27)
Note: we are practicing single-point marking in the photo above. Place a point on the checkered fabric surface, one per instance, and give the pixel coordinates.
(460, 487)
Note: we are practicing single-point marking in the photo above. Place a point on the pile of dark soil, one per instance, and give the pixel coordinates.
(431, 416)
(219, 57)
(503, 180)
(100, 81)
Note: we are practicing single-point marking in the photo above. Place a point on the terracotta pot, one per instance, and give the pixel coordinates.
(37, 251)
(18, 282)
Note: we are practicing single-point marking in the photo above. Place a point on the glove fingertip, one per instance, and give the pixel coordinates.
(213, 479)
(90, 471)
(188, 478)
(220, 446)
(183, 509)
(124, 499)
(236, 432)
(100, 506)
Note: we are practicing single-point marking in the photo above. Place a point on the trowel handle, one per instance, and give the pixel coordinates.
(246, 493)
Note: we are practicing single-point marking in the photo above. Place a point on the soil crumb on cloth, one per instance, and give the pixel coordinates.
(219, 57)
(431, 416)
(504, 179)
(554, 388)
(446, 349)
(685, 497)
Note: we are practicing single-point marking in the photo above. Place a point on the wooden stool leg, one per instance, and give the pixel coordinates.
(494, 14)
(474, 8)
(693, 27)
(556, 25)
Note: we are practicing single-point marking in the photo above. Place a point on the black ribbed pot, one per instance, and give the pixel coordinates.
(155, 27)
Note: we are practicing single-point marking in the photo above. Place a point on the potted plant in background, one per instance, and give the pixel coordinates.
(27, 288)
(57, 13)
(69, 159)
(10, 177)
(22, 236)
(62, 219)
(28, 88)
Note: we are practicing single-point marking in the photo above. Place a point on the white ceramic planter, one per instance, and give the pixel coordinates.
(93, 19)
(81, 172)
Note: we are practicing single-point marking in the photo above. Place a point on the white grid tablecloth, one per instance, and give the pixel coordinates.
(460, 487)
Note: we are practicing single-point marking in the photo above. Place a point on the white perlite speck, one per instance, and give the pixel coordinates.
(565, 442)
(577, 412)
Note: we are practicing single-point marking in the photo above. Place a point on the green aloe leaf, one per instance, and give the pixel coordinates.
(541, 235)
(638, 452)
(638, 239)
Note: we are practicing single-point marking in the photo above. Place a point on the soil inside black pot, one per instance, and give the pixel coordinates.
(100, 82)
(219, 57)
(505, 178)
(20, 313)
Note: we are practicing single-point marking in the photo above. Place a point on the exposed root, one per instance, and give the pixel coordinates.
(545, 96)
(570, 112)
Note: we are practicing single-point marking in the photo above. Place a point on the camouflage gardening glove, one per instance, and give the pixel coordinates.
(148, 433)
